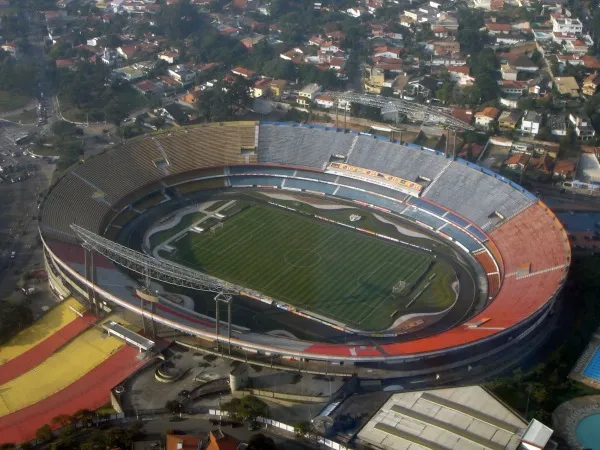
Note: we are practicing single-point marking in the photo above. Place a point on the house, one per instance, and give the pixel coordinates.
(470, 151)
(65, 63)
(566, 25)
(325, 101)
(466, 115)
(174, 115)
(128, 51)
(182, 74)
(510, 39)
(182, 442)
(517, 161)
(559, 38)
(564, 169)
(443, 47)
(576, 46)
(277, 87)
(294, 55)
(387, 51)
(261, 88)
(10, 47)
(308, 94)
(217, 440)
(486, 116)
(508, 72)
(531, 122)
(523, 63)
(583, 126)
(460, 74)
(243, 72)
(557, 124)
(192, 98)
(540, 165)
(374, 79)
(567, 86)
(497, 28)
(169, 56)
(509, 119)
(512, 87)
(356, 11)
(590, 84)
(423, 87)
(251, 41)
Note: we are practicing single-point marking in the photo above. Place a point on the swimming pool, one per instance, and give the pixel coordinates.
(588, 432)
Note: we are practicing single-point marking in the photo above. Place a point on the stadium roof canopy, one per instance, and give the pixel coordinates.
(465, 418)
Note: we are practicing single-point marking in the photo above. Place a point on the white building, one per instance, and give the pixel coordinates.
(566, 25)
(531, 123)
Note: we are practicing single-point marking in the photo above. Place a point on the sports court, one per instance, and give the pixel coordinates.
(56, 319)
(63, 368)
(340, 273)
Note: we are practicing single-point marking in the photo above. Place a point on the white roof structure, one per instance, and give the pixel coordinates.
(536, 436)
(465, 418)
(588, 168)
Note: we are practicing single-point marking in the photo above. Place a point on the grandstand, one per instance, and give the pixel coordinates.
(496, 222)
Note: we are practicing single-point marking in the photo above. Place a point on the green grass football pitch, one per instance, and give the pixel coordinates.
(338, 273)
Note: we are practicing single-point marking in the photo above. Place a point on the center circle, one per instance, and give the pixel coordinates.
(302, 258)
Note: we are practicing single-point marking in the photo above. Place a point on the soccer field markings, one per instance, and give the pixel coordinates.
(293, 267)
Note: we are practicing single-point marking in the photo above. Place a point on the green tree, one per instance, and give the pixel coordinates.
(173, 406)
(246, 408)
(44, 433)
(261, 442)
(301, 429)
(445, 93)
(63, 128)
(13, 318)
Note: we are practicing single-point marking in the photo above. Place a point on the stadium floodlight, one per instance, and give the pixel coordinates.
(150, 267)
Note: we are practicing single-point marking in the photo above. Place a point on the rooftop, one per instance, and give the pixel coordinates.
(462, 418)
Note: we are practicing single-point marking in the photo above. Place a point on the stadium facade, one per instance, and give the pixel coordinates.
(521, 247)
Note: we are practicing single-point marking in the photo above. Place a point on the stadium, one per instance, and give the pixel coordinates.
(323, 244)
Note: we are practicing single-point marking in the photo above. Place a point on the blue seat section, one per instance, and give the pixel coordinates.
(260, 169)
(309, 185)
(353, 194)
(427, 206)
(316, 175)
(592, 370)
(457, 220)
(346, 181)
(475, 231)
(461, 237)
(258, 180)
(421, 216)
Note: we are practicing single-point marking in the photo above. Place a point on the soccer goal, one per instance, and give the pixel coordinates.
(401, 288)
(215, 228)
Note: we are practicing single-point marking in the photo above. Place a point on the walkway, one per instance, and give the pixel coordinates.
(566, 417)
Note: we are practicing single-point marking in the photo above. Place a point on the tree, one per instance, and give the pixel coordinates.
(173, 406)
(301, 429)
(536, 56)
(13, 318)
(261, 442)
(44, 433)
(246, 408)
(63, 128)
(62, 420)
(445, 93)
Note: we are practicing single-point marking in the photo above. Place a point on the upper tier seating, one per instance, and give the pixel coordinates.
(475, 195)
(540, 250)
(300, 146)
(72, 201)
(388, 157)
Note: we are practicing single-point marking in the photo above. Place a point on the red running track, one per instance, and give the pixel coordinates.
(34, 356)
(89, 392)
